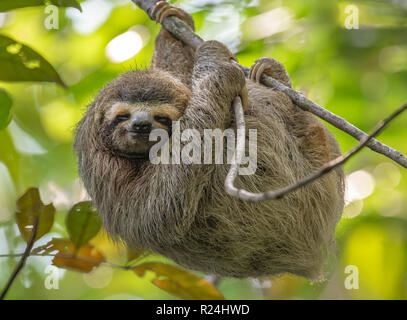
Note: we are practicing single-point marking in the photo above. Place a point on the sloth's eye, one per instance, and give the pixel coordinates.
(122, 117)
(163, 120)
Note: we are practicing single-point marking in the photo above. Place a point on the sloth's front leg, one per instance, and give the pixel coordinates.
(171, 54)
(218, 76)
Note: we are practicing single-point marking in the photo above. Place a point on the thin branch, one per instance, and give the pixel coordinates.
(69, 256)
(182, 31)
(214, 279)
(271, 195)
(338, 122)
(23, 259)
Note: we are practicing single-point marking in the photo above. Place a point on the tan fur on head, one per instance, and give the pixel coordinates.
(182, 211)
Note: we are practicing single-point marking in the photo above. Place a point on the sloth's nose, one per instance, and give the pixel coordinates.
(141, 126)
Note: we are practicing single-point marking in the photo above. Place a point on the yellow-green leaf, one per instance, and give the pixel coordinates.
(29, 206)
(18, 62)
(5, 108)
(67, 256)
(179, 282)
(83, 223)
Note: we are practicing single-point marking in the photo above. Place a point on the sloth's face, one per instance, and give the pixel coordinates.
(130, 124)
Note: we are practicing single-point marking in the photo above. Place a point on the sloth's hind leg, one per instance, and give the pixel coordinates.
(270, 67)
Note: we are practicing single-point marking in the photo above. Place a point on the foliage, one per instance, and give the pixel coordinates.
(30, 206)
(77, 254)
(82, 223)
(5, 111)
(179, 283)
(10, 5)
(47, 77)
(21, 63)
(84, 258)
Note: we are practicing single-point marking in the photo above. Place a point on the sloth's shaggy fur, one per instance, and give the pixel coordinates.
(182, 211)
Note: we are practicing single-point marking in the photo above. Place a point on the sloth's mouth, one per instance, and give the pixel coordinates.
(138, 155)
(132, 155)
(137, 135)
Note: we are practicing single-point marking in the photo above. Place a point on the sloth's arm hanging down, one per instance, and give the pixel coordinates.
(171, 54)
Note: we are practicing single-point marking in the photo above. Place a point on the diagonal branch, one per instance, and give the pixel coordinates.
(182, 31)
(278, 194)
(23, 258)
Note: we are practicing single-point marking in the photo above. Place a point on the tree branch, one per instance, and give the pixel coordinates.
(71, 256)
(182, 31)
(23, 258)
(278, 194)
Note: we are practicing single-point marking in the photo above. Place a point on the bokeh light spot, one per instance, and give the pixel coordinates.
(124, 46)
(387, 176)
(99, 277)
(268, 23)
(94, 14)
(359, 185)
(393, 59)
(353, 209)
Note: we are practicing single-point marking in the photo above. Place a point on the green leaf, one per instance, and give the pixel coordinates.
(30, 206)
(5, 108)
(20, 63)
(83, 223)
(179, 282)
(6, 5)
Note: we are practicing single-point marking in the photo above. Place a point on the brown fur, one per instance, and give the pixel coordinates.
(182, 211)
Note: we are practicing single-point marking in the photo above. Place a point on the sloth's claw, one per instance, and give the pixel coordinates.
(270, 67)
(157, 7)
(244, 95)
(259, 67)
(162, 10)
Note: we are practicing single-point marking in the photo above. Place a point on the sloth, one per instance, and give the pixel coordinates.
(182, 211)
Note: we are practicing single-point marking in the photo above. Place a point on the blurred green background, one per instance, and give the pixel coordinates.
(359, 74)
